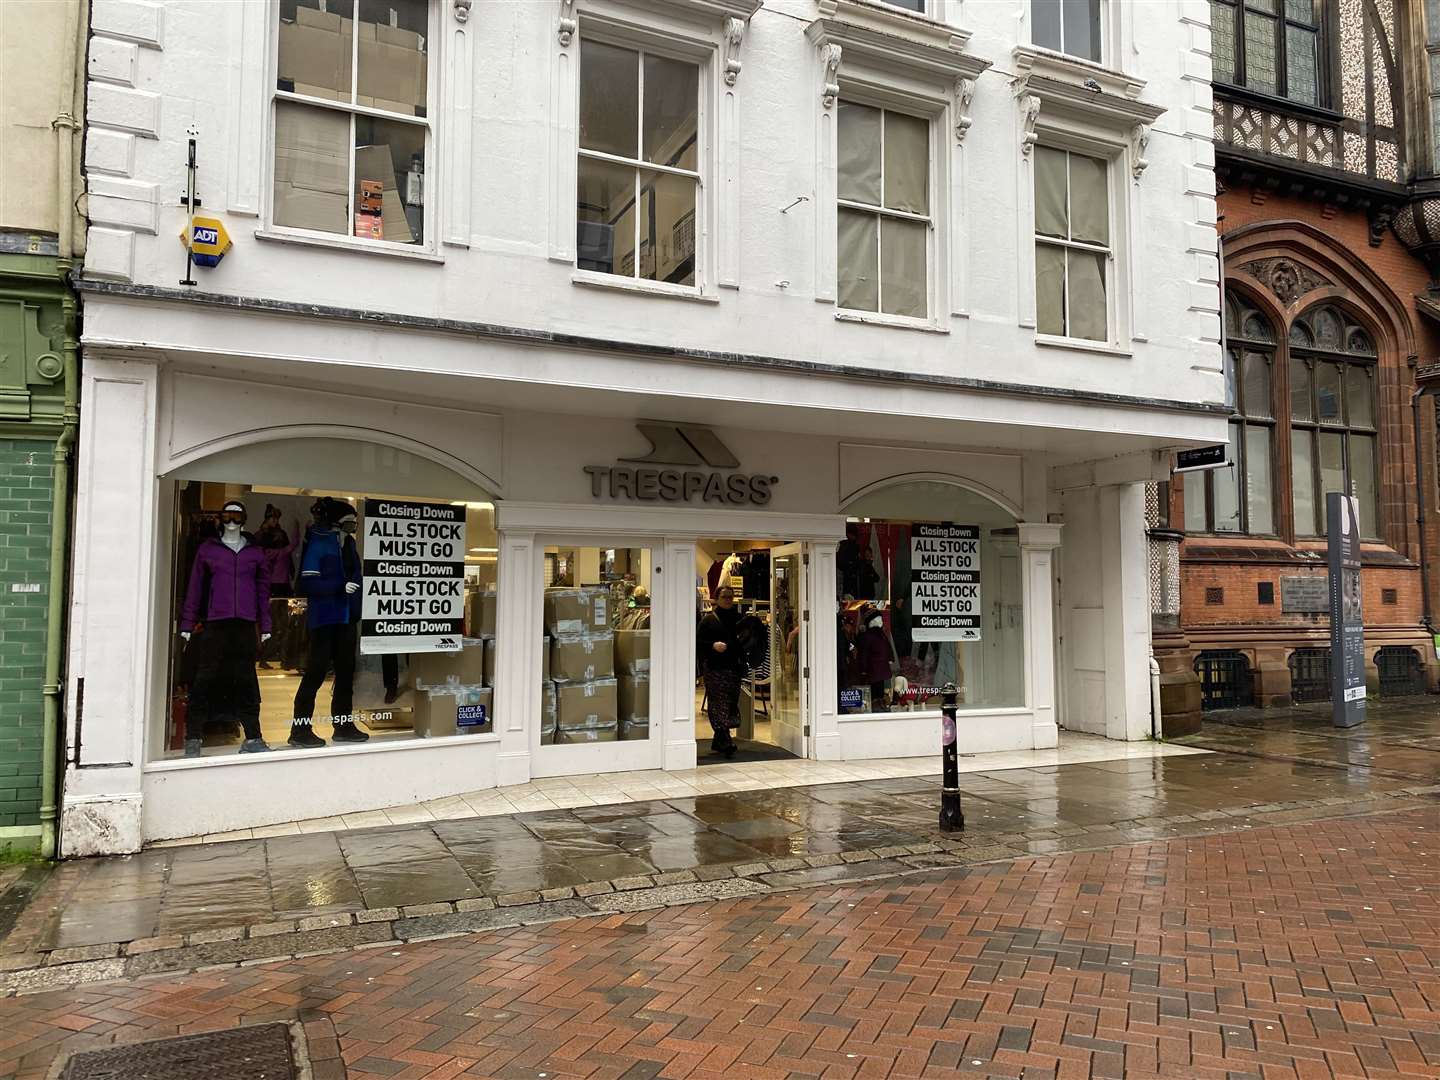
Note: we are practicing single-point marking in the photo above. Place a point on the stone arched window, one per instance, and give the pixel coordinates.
(1240, 498)
(1334, 444)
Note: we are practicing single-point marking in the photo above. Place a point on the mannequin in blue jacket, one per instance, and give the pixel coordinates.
(330, 582)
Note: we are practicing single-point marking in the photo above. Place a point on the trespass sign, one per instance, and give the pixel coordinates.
(414, 577)
(945, 582)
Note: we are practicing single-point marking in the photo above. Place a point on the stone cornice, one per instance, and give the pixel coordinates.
(895, 40)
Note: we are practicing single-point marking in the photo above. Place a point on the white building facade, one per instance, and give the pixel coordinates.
(654, 296)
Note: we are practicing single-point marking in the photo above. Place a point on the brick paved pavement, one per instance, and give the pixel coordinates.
(1299, 951)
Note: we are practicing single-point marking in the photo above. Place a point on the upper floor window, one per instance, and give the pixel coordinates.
(909, 5)
(639, 167)
(1270, 46)
(1068, 26)
(884, 215)
(1240, 499)
(352, 138)
(1333, 440)
(1072, 244)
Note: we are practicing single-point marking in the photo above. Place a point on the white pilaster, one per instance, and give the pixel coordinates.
(1038, 542)
(1126, 605)
(518, 641)
(824, 716)
(674, 591)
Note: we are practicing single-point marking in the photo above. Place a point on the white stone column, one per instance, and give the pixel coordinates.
(823, 714)
(113, 648)
(1126, 602)
(518, 642)
(673, 590)
(1038, 541)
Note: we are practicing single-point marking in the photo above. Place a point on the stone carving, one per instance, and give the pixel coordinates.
(831, 93)
(1139, 139)
(1031, 113)
(462, 10)
(734, 34)
(568, 23)
(964, 95)
(1287, 279)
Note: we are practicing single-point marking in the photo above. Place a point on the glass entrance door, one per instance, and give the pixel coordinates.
(789, 648)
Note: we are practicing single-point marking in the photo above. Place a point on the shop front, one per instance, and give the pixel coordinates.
(313, 618)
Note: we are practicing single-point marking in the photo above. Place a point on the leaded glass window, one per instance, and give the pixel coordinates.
(1271, 47)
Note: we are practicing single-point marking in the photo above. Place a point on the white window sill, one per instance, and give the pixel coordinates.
(896, 322)
(332, 751)
(971, 711)
(1050, 341)
(639, 287)
(343, 243)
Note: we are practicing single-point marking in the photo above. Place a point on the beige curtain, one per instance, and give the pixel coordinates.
(856, 256)
(1050, 212)
(1049, 289)
(1087, 295)
(1089, 200)
(907, 163)
(859, 153)
(902, 268)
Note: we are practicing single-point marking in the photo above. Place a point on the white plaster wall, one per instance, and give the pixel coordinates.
(497, 153)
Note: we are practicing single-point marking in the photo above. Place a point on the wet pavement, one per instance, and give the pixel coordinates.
(1302, 952)
(165, 893)
(1400, 736)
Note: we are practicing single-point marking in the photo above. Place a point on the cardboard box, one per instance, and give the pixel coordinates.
(452, 710)
(578, 658)
(473, 713)
(548, 720)
(480, 612)
(312, 168)
(375, 163)
(315, 52)
(632, 651)
(577, 611)
(466, 666)
(600, 733)
(588, 705)
(633, 698)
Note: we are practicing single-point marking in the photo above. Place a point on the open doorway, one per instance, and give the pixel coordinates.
(759, 697)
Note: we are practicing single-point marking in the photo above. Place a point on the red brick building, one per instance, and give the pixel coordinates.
(1325, 159)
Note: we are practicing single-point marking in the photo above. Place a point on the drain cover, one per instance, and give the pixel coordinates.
(250, 1053)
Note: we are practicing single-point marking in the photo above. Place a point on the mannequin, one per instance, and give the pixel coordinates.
(229, 580)
(330, 579)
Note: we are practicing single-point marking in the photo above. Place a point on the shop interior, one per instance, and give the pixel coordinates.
(387, 696)
(764, 579)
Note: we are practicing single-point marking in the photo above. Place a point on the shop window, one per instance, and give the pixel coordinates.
(1072, 244)
(1226, 681)
(1333, 437)
(884, 215)
(310, 616)
(929, 593)
(352, 118)
(595, 675)
(1271, 46)
(1068, 26)
(639, 164)
(1239, 498)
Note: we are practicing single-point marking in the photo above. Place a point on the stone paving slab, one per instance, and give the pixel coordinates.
(1292, 951)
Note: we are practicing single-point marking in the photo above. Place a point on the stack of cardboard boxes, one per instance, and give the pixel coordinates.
(453, 690)
(582, 667)
(312, 145)
(632, 660)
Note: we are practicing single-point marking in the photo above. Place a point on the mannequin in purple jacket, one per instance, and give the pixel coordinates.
(229, 595)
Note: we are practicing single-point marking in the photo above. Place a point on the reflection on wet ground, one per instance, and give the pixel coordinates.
(176, 890)
(1399, 736)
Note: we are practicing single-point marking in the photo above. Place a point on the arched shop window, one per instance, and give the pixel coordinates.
(1333, 438)
(1240, 499)
(324, 593)
(929, 592)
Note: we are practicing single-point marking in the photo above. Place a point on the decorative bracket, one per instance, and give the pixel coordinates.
(964, 95)
(462, 10)
(568, 25)
(734, 34)
(1139, 139)
(831, 92)
(1031, 106)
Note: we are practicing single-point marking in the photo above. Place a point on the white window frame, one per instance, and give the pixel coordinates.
(1109, 34)
(434, 183)
(686, 31)
(638, 165)
(929, 220)
(1111, 270)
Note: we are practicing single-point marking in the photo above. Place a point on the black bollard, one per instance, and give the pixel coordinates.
(951, 818)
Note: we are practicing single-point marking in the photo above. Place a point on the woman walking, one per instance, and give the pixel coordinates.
(722, 663)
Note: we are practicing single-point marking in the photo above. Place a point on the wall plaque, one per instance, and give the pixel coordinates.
(1308, 594)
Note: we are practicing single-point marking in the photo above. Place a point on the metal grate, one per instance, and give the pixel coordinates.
(1401, 672)
(1214, 594)
(1310, 675)
(1225, 679)
(1389, 596)
(248, 1053)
